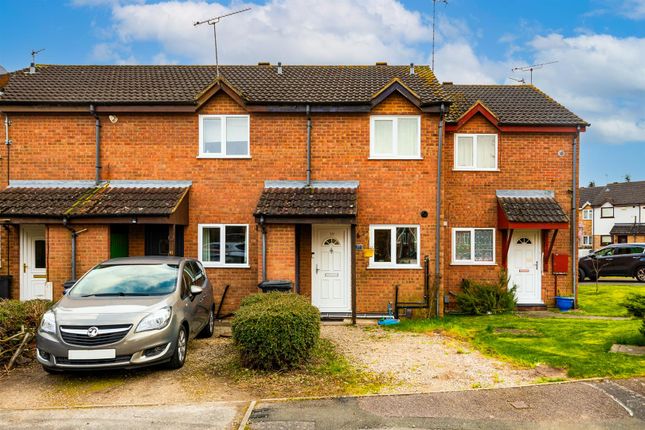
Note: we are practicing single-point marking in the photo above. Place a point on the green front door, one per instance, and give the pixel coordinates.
(118, 241)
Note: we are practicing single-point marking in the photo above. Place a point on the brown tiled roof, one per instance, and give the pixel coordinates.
(620, 228)
(532, 209)
(587, 194)
(307, 202)
(172, 84)
(620, 193)
(89, 202)
(511, 104)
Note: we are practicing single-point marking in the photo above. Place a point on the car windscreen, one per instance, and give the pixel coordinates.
(127, 280)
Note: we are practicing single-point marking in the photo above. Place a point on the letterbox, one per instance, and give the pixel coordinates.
(560, 263)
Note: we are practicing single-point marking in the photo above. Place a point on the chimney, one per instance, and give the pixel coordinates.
(32, 68)
(412, 68)
(279, 68)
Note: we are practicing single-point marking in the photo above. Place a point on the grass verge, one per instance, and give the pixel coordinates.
(605, 302)
(579, 346)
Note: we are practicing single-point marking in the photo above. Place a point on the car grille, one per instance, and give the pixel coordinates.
(120, 359)
(77, 335)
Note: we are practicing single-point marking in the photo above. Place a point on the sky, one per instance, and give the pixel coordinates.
(598, 46)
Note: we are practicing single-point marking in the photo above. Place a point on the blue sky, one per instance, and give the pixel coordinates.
(599, 47)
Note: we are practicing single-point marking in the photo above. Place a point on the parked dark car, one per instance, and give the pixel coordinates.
(126, 313)
(621, 259)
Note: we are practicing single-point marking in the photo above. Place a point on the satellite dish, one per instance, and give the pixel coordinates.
(4, 77)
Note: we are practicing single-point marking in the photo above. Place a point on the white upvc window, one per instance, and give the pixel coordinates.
(605, 240)
(395, 137)
(473, 246)
(224, 136)
(395, 246)
(587, 241)
(587, 214)
(607, 212)
(475, 152)
(224, 245)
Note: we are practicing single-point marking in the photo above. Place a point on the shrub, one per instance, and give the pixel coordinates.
(635, 304)
(13, 316)
(275, 330)
(479, 298)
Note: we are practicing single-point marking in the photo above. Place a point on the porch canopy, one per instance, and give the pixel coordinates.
(113, 202)
(293, 202)
(529, 209)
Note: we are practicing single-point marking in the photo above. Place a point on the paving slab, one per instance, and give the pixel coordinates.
(196, 416)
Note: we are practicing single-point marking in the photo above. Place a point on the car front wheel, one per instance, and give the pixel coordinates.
(181, 347)
(640, 274)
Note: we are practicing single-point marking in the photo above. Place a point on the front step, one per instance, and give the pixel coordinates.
(531, 307)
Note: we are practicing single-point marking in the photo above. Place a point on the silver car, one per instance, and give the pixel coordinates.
(127, 313)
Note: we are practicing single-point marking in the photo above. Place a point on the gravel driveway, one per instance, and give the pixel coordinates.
(424, 362)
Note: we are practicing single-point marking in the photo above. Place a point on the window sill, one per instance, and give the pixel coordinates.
(233, 157)
(225, 266)
(472, 263)
(402, 266)
(375, 157)
(462, 169)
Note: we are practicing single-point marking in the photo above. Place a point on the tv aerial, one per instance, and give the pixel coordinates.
(531, 68)
(521, 81)
(214, 21)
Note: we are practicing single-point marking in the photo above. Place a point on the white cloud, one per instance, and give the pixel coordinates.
(633, 9)
(291, 31)
(458, 63)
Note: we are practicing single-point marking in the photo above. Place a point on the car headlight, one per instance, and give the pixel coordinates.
(48, 323)
(156, 320)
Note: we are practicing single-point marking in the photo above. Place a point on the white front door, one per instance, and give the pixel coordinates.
(33, 263)
(330, 288)
(525, 267)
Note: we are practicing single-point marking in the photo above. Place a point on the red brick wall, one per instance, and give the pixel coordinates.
(526, 161)
(165, 146)
(281, 253)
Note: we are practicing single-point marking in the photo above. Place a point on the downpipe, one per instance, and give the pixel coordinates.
(308, 111)
(573, 222)
(97, 178)
(263, 228)
(7, 142)
(437, 251)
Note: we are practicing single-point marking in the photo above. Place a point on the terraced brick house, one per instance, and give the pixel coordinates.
(613, 213)
(349, 182)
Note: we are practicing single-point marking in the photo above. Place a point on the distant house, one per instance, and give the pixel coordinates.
(614, 213)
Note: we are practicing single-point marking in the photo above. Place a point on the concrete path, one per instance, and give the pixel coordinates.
(583, 405)
(569, 315)
(217, 416)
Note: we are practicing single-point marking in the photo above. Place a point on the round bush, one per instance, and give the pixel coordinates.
(275, 330)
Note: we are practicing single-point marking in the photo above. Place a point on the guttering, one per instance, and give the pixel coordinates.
(574, 213)
(97, 178)
(308, 112)
(437, 251)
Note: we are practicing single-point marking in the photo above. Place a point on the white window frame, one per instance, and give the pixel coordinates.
(471, 261)
(393, 265)
(607, 207)
(605, 243)
(395, 140)
(223, 118)
(222, 252)
(587, 214)
(475, 145)
(587, 241)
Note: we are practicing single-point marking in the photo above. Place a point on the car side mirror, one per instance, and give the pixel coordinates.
(196, 290)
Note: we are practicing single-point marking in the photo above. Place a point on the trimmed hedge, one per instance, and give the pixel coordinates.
(275, 330)
(14, 315)
(481, 298)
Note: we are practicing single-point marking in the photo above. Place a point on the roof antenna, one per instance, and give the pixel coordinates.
(531, 68)
(214, 21)
(521, 81)
(32, 66)
(434, 18)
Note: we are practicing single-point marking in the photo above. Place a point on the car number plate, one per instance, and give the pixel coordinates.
(91, 354)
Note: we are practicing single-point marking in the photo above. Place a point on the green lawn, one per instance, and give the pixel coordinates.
(578, 345)
(607, 300)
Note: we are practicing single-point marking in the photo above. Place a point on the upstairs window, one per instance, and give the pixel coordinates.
(396, 137)
(607, 212)
(587, 214)
(224, 136)
(475, 152)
